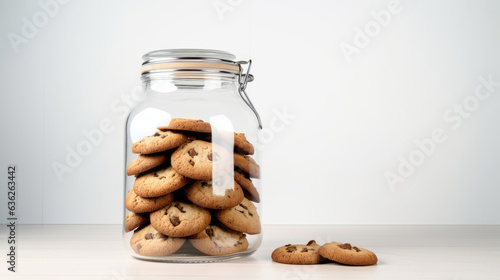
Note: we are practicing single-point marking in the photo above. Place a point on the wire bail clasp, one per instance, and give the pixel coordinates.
(243, 80)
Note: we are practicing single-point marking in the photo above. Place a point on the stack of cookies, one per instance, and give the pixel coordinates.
(173, 197)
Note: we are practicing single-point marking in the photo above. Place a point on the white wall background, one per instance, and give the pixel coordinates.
(351, 120)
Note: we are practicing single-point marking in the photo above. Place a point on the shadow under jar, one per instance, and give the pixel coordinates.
(192, 189)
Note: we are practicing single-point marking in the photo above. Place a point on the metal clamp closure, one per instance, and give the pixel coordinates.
(243, 80)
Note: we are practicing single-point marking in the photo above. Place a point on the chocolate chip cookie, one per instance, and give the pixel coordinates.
(195, 159)
(243, 217)
(159, 142)
(180, 219)
(186, 125)
(134, 220)
(146, 162)
(346, 253)
(248, 165)
(205, 194)
(218, 241)
(147, 241)
(137, 204)
(241, 144)
(158, 182)
(298, 254)
(246, 183)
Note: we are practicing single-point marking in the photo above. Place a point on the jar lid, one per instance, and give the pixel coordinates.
(185, 59)
(179, 60)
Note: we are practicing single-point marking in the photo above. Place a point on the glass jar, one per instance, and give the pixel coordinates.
(192, 190)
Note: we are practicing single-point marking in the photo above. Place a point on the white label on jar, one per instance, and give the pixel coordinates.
(222, 154)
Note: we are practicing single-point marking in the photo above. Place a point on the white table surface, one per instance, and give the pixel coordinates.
(404, 252)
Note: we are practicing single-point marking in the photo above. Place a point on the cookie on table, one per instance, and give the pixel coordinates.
(159, 182)
(202, 193)
(241, 144)
(246, 183)
(243, 217)
(186, 125)
(147, 241)
(248, 165)
(159, 142)
(180, 219)
(138, 204)
(346, 253)
(298, 254)
(219, 241)
(194, 160)
(134, 220)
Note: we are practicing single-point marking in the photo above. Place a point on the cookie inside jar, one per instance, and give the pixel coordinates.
(195, 185)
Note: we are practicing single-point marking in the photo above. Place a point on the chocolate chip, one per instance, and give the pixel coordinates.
(155, 175)
(356, 249)
(156, 134)
(246, 208)
(310, 242)
(345, 246)
(304, 250)
(210, 157)
(243, 206)
(162, 177)
(162, 236)
(237, 243)
(199, 120)
(210, 232)
(192, 152)
(291, 249)
(288, 245)
(191, 162)
(205, 184)
(149, 236)
(178, 206)
(175, 221)
(139, 246)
